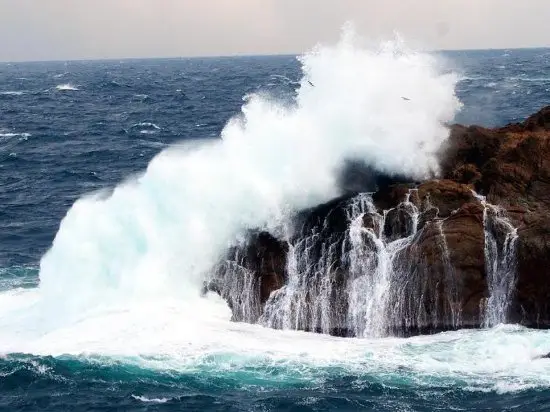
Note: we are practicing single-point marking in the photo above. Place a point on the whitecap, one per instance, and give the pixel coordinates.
(150, 400)
(12, 93)
(66, 87)
(24, 136)
(147, 124)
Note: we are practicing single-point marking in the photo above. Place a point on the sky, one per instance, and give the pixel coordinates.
(90, 29)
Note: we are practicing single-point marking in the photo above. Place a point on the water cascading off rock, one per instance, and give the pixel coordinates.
(354, 270)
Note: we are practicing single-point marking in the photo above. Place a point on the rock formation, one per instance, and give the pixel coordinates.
(413, 257)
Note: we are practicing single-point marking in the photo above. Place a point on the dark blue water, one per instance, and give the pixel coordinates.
(67, 129)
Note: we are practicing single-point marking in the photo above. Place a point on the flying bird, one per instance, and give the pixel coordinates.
(405, 98)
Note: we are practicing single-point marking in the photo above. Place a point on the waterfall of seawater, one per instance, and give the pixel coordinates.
(378, 263)
(355, 271)
(500, 262)
(367, 277)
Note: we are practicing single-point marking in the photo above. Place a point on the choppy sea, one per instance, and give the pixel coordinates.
(72, 128)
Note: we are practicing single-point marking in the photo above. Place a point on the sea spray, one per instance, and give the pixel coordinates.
(155, 238)
(163, 231)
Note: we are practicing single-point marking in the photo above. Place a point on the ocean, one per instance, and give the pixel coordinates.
(109, 315)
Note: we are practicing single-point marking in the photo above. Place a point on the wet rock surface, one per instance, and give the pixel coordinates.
(413, 257)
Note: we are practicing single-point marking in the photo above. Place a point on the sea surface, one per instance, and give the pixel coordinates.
(72, 128)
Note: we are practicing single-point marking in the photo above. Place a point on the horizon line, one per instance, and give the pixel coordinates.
(237, 55)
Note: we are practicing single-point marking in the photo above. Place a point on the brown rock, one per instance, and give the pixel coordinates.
(446, 195)
(444, 281)
(532, 299)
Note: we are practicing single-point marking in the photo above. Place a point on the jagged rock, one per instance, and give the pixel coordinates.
(429, 214)
(446, 195)
(511, 166)
(250, 274)
(465, 241)
(371, 221)
(399, 222)
(441, 278)
(532, 303)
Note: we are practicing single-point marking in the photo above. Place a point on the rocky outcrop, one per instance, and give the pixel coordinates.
(249, 274)
(414, 257)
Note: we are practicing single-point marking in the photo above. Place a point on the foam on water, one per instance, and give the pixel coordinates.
(11, 134)
(150, 335)
(66, 87)
(150, 400)
(12, 93)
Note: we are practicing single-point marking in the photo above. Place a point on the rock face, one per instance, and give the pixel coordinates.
(413, 257)
(249, 274)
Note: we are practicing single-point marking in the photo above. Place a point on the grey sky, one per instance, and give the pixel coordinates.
(75, 29)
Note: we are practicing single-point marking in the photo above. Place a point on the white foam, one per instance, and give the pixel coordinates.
(172, 335)
(150, 400)
(66, 87)
(24, 136)
(12, 93)
(161, 232)
(147, 124)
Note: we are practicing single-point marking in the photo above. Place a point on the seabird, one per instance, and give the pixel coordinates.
(311, 83)
(405, 98)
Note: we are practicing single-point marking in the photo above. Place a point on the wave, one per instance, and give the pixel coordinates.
(145, 128)
(10, 134)
(18, 277)
(12, 93)
(60, 75)
(148, 125)
(66, 87)
(192, 202)
(150, 400)
(530, 79)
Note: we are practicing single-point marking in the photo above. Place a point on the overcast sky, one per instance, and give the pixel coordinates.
(85, 29)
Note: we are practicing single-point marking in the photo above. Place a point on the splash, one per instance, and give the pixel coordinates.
(156, 237)
(163, 231)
